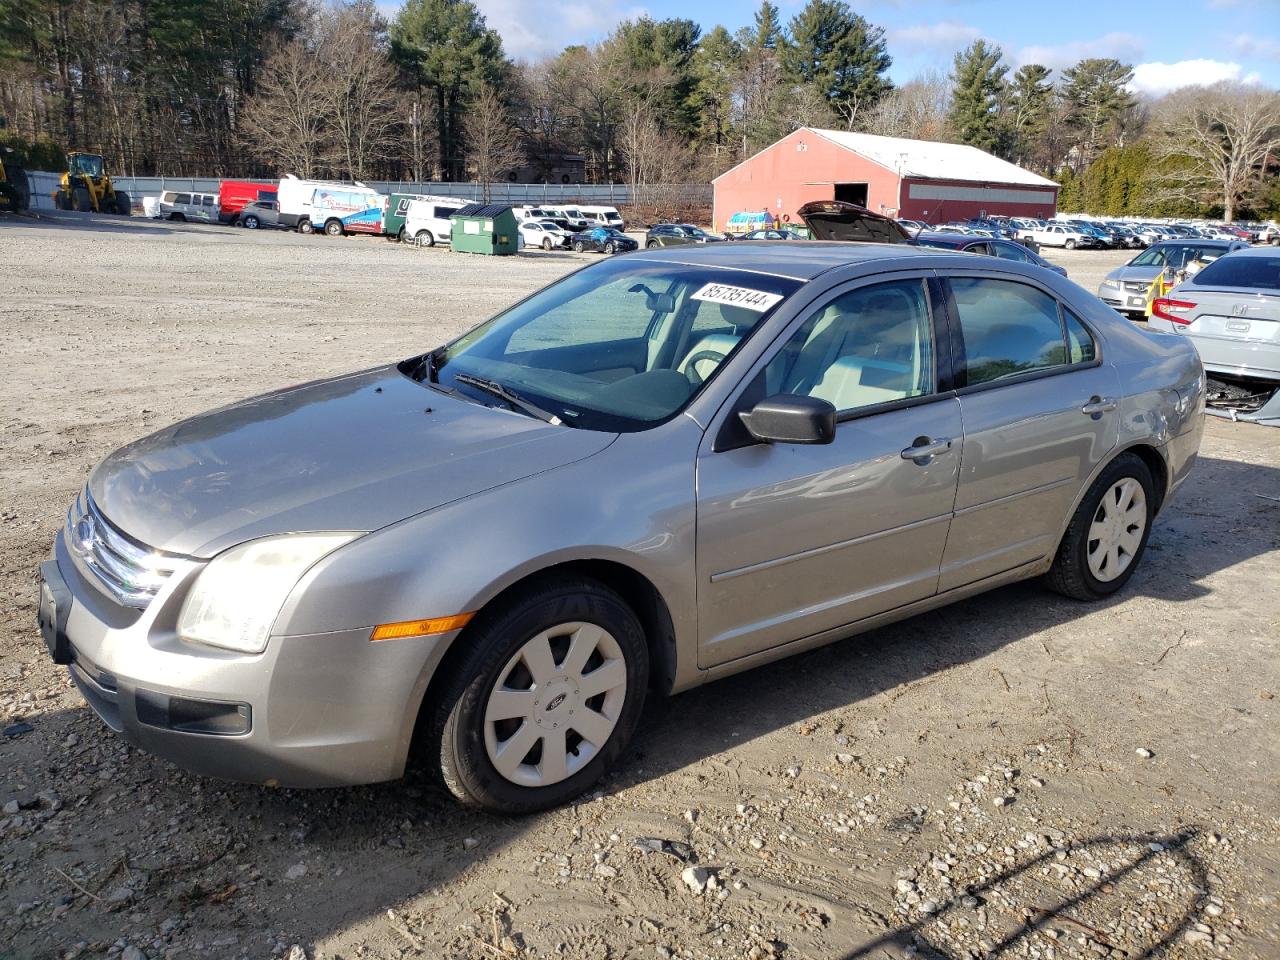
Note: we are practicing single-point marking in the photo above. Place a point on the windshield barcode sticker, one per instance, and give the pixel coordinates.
(745, 297)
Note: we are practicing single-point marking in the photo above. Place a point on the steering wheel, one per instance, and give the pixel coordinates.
(691, 365)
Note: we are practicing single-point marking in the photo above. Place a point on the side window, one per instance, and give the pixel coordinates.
(980, 248)
(868, 346)
(207, 200)
(1008, 328)
(182, 198)
(1080, 345)
(1010, 251)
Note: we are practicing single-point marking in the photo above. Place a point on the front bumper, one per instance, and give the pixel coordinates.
(329, 709)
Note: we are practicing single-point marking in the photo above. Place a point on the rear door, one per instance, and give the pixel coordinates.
(1039, 407)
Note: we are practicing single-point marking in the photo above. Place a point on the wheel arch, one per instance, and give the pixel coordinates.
(1150, 455)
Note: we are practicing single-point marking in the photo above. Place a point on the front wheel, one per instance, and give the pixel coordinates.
(545, 698)
(1070, 244)
(610, 248)
(249, 223)
(1108, 533)
(334, 228)
(546, 244)
(424, 238)
(304, 226)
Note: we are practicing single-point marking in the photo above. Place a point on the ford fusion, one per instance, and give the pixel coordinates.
(658, 471)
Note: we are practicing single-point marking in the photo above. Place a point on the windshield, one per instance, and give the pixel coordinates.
(1253, 272)
(621, 345)
(87, 165)
(1176, 255)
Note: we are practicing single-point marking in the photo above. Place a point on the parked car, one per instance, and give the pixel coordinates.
(987, 246)
(1270, 233)
(234, 194)
(655, 472)
(1059, 235)
(1125, 288)
(545, 234)
(179, 205)
(603, 240)
(677, 234)
(771, 234)
(912, 226)
(841, 220)
(259, 213)
(427, 222)
(1230, 310)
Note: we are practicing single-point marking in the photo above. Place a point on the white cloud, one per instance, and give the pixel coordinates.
(946, 37)
(1122, 46)
(1157, 78)
(1249, 45)
(529, 32)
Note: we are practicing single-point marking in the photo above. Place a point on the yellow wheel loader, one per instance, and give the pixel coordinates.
(86, 186)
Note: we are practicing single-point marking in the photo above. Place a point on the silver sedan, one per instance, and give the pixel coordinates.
(659, 471)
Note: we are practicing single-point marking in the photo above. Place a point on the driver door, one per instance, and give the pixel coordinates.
(798, 540)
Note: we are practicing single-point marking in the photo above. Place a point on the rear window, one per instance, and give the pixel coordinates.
(1257, 273)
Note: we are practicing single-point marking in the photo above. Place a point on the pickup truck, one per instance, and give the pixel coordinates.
(1058, 235)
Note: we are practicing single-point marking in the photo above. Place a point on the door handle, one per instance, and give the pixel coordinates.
(924, 449)
(1098, 406)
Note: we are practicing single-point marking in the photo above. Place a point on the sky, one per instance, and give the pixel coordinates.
(1171, 43)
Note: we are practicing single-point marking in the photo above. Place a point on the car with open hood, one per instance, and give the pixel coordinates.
(841, 220)
(660, 470)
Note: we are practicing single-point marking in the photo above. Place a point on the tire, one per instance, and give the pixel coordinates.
(546, 244)
(650, 245)
(334, 228)
(80, 200)
(424, 238)
(610, 248)
(402, 237)
(577, 246)
(304, 226)
(1073, 574)
(553, 618)
(122, 205)
(1070, 244)
(249, 223)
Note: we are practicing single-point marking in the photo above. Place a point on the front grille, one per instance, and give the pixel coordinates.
(1136, 286)
(130, 572)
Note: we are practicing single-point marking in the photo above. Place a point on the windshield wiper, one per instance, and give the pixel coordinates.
(510, 396)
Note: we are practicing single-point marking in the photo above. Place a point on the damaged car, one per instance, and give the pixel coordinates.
(659, 471)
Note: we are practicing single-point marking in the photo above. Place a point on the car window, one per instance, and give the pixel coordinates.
(1008, 328)
(1080, 344)
(981, 248)
(1254, 272)
(181, 198)
(870, 345)
(1010, 251)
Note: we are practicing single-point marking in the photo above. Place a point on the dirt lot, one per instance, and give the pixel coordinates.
(1016, 775)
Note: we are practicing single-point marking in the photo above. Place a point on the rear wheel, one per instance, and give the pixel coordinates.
(577, 246)
(80, 199)
(250, 222)
(651, 244)
(545, 699)
(424, 238)
(122, 205)
(334, 228)
(1108, 534)
(304, 226)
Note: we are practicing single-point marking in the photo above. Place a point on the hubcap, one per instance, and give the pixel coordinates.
(1117, 528)
(555, 704)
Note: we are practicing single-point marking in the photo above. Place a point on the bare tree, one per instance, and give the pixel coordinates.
(1215, 141)
(493, 143)
(918, 109)
(286, 123)
(359, 89)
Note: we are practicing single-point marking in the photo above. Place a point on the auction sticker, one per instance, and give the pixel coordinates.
(745, 297)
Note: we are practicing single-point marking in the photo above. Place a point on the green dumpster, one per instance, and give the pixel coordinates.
(489, 229)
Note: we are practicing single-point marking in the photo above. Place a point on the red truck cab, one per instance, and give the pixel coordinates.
(234, 194)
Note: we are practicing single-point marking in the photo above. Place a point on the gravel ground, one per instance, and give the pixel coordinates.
(1016, 775)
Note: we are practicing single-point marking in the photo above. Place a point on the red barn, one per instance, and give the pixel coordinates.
(914, 179)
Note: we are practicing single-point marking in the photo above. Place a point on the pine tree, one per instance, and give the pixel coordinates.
(1097, 96)
(977, 84)
(838, 52)
(1030, 109)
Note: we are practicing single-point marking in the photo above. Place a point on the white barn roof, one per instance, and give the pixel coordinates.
(933, 161)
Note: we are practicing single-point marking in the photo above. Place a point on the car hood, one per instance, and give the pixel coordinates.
(355, 452)
(840, 220)
(1144, 273)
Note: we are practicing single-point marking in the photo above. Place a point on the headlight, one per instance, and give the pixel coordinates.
(237, 597)
(1111, 283)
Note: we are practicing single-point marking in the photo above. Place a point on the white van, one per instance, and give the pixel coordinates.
(529, 211)
(571, 217)
(603, 217)
(178, 205)
(295, 196)
(427, 222)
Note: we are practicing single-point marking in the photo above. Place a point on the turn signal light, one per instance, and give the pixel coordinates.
(420, 628)
(1166, 308)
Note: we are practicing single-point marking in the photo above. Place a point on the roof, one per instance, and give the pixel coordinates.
(797, 259)
(488, 211)
(928, 159)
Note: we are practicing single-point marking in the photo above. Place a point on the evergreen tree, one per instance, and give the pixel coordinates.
(977, 84)
(446, 47)
(768, 28)
(1030, 109)
(661, 52)
(840, 54)
(715, 68)
(1097, 96)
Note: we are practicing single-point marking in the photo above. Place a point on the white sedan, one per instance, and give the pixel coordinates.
(544, 234)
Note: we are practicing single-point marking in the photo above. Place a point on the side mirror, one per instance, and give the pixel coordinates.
(787, 418)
